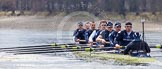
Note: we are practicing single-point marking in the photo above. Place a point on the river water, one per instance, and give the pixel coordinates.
(14, 38)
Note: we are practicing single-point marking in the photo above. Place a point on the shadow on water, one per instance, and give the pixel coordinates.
(12, 38)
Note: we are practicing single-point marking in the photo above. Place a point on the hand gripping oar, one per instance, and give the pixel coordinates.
(82, 40)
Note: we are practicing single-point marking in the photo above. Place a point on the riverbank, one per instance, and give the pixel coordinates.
(64, 23)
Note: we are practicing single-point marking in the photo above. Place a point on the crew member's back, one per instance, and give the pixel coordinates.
(137, 48)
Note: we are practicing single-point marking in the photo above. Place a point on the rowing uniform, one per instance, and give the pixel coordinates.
(123, 38)
(79, 34)
(112, 37)
(137, 48)
(87, 34)
(94, 35)
(105, 36)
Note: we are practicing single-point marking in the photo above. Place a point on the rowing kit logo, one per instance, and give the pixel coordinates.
(68, 24)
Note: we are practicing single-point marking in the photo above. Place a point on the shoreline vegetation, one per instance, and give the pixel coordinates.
(44, 21)
(102, 15)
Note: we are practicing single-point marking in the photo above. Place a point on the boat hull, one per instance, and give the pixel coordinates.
(118, 58)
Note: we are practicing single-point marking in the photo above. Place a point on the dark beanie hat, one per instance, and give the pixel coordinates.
(128, 23)
(109, 24)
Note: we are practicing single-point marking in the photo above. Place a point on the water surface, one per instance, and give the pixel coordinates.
(14, 38)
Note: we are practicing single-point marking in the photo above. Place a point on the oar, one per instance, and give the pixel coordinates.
(66, 50)
(156, 46)
(43, 48)
(38, 46)
(61, 47)
(58, 48)
(152, 46)
(82, 40)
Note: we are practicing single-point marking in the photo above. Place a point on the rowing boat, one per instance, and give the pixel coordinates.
(118, 58)
(82, 51)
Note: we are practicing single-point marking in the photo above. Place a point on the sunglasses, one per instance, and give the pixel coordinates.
(80, 25)
(103, 25)
(109, 27)
(118, 27)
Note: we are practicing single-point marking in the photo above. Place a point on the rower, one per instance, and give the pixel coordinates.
(104, 35)
(113, 34)
(79, 34)
(89, 30)
(87, 25)
(124, 37)
(93, 25)
(110, 27)
(137, 48)
(95, 34)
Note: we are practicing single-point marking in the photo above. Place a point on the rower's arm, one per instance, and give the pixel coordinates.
(148, 50)
(128, 48)
(99, 38)
(118, 38)
(74, 39)
(111, 39)
(86, 36)
(75, 34)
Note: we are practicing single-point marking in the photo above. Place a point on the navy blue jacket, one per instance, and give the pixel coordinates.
(112, 37)
(105, 36)
(87, 34)
(124, 39)
(96, 35)
(137, 46)
(80, 34)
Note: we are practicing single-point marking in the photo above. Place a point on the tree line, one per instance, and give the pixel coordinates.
(93, 6)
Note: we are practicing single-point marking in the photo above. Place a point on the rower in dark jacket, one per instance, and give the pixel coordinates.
(114, 33)
(79, 34)
(104, 35)
(95, 34)
(124, 37)
(137, 48)
(90, 27)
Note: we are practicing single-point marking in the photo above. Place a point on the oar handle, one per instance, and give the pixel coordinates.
(94, 49)
(107, 42)
(120, 47)
(82, 40)
(156, 46)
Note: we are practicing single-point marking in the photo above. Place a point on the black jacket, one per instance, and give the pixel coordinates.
(137, 46)
(80, 34)
(123, 39)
